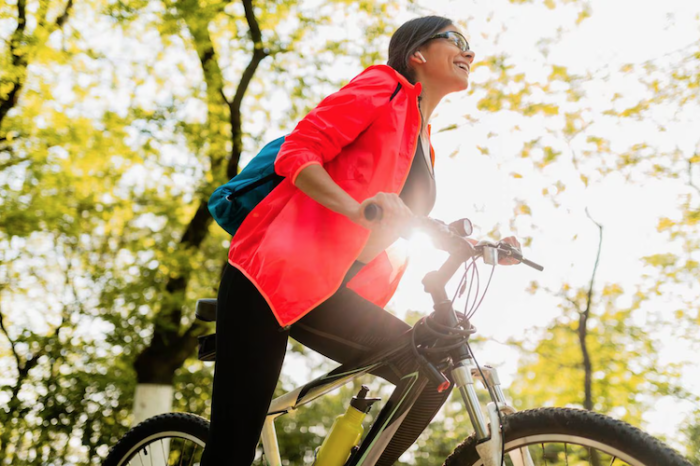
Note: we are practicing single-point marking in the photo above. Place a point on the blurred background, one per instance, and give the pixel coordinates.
(580, 134)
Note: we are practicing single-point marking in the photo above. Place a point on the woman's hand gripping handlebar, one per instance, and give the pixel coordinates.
(452, 239)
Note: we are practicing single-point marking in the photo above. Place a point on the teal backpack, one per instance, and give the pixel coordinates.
(233, 201)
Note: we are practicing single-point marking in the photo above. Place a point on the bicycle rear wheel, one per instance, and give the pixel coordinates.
(560, 437)
(163, 440)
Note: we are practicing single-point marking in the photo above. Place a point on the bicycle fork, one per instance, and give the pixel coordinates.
(488, 438)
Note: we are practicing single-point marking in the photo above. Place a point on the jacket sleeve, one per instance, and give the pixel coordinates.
(334, 123)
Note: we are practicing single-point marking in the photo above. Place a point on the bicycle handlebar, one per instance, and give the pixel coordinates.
(451, 238)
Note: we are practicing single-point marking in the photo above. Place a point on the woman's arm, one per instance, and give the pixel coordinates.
(315, 182)
(335, 122)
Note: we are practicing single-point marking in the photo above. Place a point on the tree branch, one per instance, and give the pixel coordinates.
(63, 18)
(690, 175)
(13, 162)
(595, 266)
(255, 33)
(20, 58)
(21, 23)
(18, 360)
(583, 325)
(259, 54)
(574, 304)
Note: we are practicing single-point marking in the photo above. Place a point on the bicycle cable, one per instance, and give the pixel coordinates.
(456, 336)
(476, 305)
(477, 277)
(465, 320)
(467, 316)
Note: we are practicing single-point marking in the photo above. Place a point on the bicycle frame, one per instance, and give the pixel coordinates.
(397, 407)
(393, 412)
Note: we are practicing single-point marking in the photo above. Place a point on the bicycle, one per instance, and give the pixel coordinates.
(440, 344)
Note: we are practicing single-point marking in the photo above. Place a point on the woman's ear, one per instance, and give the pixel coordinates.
(420, 56)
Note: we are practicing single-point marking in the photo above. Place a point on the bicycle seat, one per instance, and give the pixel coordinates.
(206, 310)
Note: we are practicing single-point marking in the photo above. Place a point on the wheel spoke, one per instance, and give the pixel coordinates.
(581, 437)
(194, 450)
(544, 456)
(573, 453)
(162, 449)
(184, 449)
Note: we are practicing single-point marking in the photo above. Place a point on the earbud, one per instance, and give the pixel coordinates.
(420, 55)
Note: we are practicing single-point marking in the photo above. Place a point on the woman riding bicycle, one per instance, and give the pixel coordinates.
(306, 263)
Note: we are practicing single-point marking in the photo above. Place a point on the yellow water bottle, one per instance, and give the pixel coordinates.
(346, 431)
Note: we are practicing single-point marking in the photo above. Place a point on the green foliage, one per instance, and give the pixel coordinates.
(626, 369)
(99, 180)
(106, 154)
(692, 432)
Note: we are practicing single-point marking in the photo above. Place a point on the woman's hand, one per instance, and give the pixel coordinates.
(396, 216)
(509, 260)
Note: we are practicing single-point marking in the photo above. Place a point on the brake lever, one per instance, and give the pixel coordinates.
(510, 250)
(489, 252)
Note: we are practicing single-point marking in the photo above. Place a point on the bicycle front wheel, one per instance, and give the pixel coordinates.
(560, 436)
(163, 440)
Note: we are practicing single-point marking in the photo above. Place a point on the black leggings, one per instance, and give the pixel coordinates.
(250, 348)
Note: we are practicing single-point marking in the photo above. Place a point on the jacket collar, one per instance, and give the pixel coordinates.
(413, 89)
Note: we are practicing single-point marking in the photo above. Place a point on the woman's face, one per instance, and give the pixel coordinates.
(446, 64)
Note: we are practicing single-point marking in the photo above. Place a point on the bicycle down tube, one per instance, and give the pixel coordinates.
(383, 429)
(401, 400)
(386, 423)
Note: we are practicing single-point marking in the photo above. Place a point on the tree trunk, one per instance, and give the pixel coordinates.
(151, 399)
(583, 333)
(583, 327)
(172, 344)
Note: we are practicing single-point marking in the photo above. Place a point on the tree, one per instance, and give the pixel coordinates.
(579, 139)
(77, 205)
(174, 337)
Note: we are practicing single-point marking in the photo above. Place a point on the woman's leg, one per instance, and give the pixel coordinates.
(346, 327)
(250, 348)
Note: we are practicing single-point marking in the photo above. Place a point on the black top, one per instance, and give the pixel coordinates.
(418, 194)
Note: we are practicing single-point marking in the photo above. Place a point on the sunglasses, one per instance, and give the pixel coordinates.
(453, 36)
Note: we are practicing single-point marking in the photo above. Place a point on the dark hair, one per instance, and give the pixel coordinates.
(407, 38)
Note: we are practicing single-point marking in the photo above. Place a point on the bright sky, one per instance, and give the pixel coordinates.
(617, 33)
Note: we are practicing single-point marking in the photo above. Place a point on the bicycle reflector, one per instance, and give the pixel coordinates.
(435, 376)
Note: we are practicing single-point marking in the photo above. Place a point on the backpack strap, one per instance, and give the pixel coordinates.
(396, 91)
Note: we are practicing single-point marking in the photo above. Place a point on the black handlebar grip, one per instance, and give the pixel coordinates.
(373, 212)
(533, 265)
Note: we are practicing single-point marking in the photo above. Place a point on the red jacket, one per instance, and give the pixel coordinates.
(296, 251)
